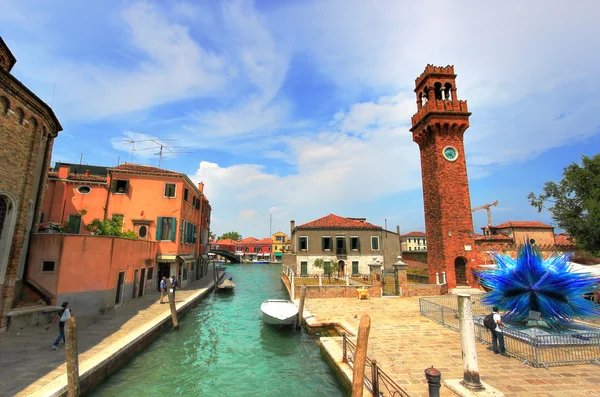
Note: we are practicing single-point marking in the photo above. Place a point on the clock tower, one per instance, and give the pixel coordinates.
(438, 128)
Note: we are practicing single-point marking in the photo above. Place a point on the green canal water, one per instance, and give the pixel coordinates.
(224, 349)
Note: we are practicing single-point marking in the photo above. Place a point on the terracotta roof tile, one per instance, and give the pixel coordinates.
(333, 221)
(494, 237)
(89, 178)
(249, 240)
(266, 240)
(414, 234)
(144, 168)
(564, 239)
(523, 224)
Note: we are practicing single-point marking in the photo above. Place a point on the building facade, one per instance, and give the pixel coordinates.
(414, 241)
(353, 243)
(28, 128)
(438, 128)
(281, 244)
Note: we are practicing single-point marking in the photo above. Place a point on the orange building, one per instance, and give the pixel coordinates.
(158, 205)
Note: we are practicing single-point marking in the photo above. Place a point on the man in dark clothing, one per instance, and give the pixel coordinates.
(63, 316)
(173, 286)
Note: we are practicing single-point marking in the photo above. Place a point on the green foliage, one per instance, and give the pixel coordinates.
(329, 267)
(231, 235)
(109, 227)
(575, 202)
(212, 236)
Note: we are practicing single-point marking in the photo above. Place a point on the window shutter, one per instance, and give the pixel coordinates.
(358, 243)
(159, 224)
(113, 185)
(127, 186)
(322, 243)
(173, 229)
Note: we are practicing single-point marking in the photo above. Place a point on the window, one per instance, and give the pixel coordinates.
(166, 228)
(186, 193)
(375, 243)
(354, 243)
(48, 266)
(194, 199)
(532, 241)
(279, 238)
(169, 190)
(119, 218)
(326, 243)
(197, 206)
(120, 186)
(355, 268)
(74, 224)
(142, 233)
(84, 189)
(150, 274)
(275, 248)
(410, 248)
(304, 268)
(303, 243)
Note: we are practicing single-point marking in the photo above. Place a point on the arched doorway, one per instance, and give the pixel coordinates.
(460, 271)
(341, 265)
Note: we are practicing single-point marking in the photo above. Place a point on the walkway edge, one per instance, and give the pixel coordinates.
(94, 370)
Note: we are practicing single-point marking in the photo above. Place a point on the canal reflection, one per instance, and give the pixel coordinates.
(224, 349)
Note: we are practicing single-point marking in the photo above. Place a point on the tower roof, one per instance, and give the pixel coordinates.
(434, 71)
(7, 59)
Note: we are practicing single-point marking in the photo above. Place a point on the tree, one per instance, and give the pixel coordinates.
(327, 266)
(231, 235)
(109, 227)
(575, 202)
(212, 236)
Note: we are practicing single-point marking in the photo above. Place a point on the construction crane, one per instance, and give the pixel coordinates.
(486, 207)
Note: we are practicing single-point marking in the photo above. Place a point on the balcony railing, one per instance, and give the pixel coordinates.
(341, 252)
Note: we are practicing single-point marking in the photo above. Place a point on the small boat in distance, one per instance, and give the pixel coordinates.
(278, 312)
(226, 285)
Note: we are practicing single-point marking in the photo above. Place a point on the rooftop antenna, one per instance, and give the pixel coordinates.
(132, 142)
(163, 147)
(81, 159)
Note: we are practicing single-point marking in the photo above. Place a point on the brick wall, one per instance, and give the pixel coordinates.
(427, 289)
(27, 129)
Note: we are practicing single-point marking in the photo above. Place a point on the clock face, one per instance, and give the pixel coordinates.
(450, 153)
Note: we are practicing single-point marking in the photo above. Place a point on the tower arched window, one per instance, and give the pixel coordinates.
(448, 92)
(437, 89)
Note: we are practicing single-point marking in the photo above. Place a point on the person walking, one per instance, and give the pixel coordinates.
(63, 316)
(497, 334)
(163, 288)
(174, 285)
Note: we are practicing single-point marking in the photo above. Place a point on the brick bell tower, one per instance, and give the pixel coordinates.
(438, 128)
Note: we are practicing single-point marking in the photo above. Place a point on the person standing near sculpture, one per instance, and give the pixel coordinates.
(497, 334)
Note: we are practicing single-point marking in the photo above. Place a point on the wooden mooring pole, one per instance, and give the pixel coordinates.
(360, 355)
(173, 309)
(301, 307)
(73, 389)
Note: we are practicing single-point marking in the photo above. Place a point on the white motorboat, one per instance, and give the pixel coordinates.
(278, 312)
(226, 285)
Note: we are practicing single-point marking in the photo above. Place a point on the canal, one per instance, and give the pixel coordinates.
(224, 349)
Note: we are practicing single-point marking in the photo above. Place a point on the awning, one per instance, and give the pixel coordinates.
(210, 254)
(187, 257)
(278, 254)
(166, 258)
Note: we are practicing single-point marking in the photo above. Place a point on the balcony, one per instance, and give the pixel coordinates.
(341, 253)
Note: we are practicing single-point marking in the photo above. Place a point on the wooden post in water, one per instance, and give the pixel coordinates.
(73, 389)
(360, 355)
(301, 307)
(173, 309)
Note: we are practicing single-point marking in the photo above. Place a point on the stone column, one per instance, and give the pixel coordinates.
(437, 278)
(443, 277)
(400, 269)
(467, 341)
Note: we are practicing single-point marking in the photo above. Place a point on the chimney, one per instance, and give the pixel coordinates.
(63, 172)
(201, 187)
(292, 227)
(87, 172)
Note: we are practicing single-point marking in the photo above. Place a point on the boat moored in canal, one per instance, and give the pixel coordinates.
(279, 312)
(226, 285)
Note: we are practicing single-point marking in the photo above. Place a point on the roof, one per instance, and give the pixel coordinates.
(127, 167)
(267, 240)
(226, 241)
(96, 170)
(564, 239)
(517, 224)
(414, 234)
(249, 240)
(6, 51)
(493, 237)
(333, 221)
(79, 177)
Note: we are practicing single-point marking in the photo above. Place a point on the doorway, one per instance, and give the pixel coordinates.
(120, 282)
(341, 265)
(142, 282)
(136, 284)
(164, 270)
(460, 271)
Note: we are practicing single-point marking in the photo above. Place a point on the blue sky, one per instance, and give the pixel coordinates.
(302, 108)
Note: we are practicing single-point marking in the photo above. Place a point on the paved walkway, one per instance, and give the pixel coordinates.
(404, 343)
(29, 363)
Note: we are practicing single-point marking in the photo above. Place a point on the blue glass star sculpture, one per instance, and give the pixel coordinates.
(546, 286)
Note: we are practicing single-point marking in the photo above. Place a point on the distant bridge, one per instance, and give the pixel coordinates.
(233, 258)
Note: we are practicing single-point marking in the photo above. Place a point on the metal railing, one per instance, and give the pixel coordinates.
(538, 350)
(376, 380)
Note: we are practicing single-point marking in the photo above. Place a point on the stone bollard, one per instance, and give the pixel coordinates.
(467, 341)
(320, 280)
(443, 277)
(434, 379)
(437, 278)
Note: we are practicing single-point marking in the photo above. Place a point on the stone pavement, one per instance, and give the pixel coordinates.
(29, 363)
(404, 343)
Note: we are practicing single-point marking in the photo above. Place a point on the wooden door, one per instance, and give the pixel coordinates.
(460, 271)
(142, 282)
(119, 293)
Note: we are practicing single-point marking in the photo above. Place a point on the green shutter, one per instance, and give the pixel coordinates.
(159, 224)
(174, 229)
(358, 243)
(355, 267)
(322, 243)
